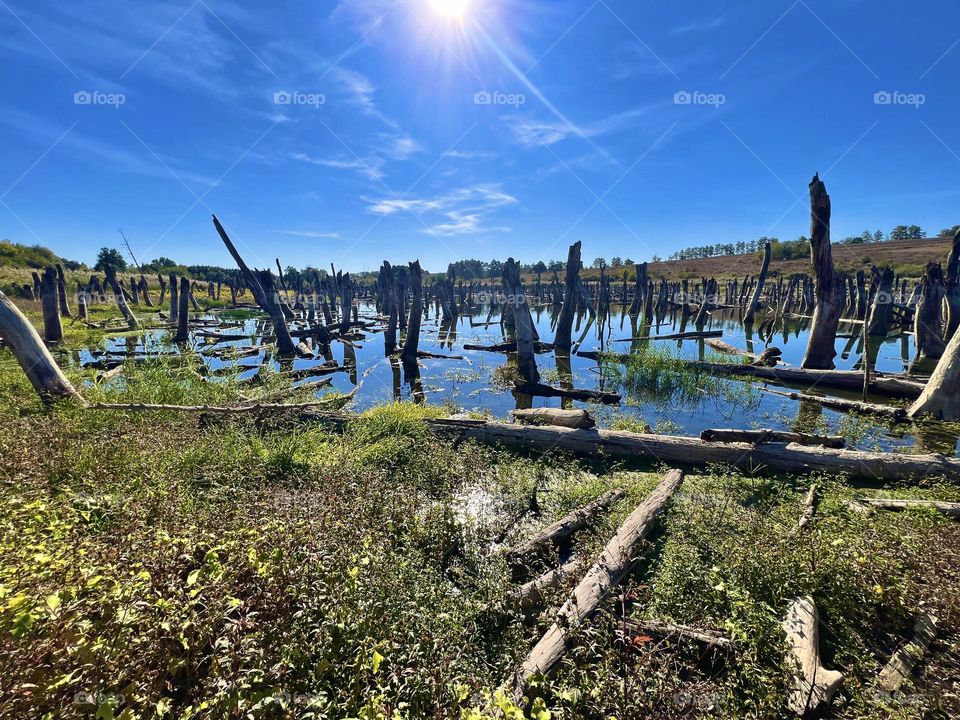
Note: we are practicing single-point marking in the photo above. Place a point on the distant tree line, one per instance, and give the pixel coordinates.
(32, 256)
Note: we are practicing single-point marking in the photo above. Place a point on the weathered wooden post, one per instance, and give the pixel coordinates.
(32, 355)
(882, 302)
(412, 341)
(953, 288)
(563, 338)
(821, 348)
(183, 311)
(145, 291)
(389, 285)
(174, 299)
(163, 289)
(52, 328)
(523, 323)
(758, 290)
(927, 327)
(81, 302)
(62, 292)
(111, 278)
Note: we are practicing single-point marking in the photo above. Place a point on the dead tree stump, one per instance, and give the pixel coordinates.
(821, 348)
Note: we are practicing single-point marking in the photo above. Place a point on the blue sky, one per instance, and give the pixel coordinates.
(356, 131)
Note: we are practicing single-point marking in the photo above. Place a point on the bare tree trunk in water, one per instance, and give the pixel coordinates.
(821, 348)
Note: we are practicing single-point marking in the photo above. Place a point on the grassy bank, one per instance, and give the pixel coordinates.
(183, 566)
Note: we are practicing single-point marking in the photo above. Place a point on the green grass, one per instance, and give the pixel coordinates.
(170, 565)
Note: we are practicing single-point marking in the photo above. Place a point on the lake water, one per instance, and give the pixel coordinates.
(478, 382)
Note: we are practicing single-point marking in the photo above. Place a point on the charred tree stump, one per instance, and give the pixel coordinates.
(183, 311)
(49, 298)
(563, 339)
(953, 288)
(927, 328)
(111, 279)
(882, 303)
(174, 300)
(523, 323)
(826, 316)
(758, 290)
(62, 292)
(411, 343)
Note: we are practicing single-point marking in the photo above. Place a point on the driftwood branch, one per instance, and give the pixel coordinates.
(901, 664)
(609, 570)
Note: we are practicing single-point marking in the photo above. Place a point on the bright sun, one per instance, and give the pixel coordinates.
(454, 9)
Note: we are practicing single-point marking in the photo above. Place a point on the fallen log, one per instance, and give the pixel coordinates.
(889, 412)
(530, 597)
(813, 685)
(877, 466)
(509, 347)
(609, 570)
(809, 508)
(765, 436)
(949, 509)
(33, 356)
(541, 390)
(700, 335)
(901, 664)
(889, 385)
(728, 349)
(576, 419)
(214, 409)
(705, 636)
(557, 532)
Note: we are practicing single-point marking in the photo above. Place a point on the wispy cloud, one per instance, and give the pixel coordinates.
(703, 25)
(462, 212)
(311, 234)
(372, 168)
(533, 133)
(469, 155)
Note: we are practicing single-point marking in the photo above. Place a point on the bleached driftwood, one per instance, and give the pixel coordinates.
(563, 528)
(32, 355)
(901, 664)
(576, 419)
(812, 684)
(809, 508)
(656, 628)
(609, 570)
(947, 508)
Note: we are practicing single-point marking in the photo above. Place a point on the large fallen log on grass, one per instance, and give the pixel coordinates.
(609, 570)
(576, 419)
(876, 466)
